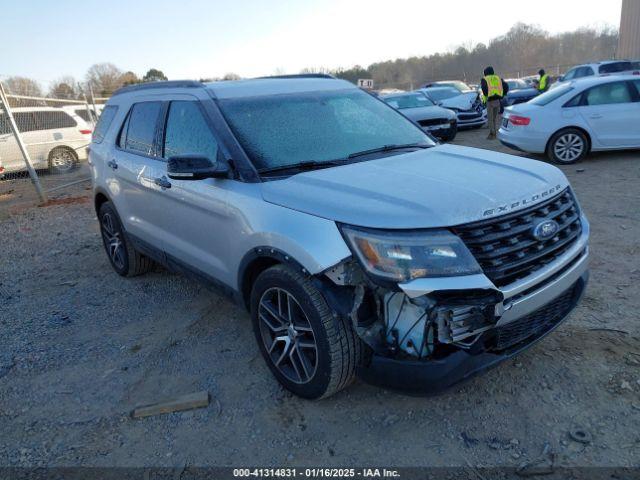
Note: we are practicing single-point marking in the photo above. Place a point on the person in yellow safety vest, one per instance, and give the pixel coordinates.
(543, 82)
(494, 89)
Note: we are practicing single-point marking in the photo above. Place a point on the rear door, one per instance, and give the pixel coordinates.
(611, 113)
(139, 170)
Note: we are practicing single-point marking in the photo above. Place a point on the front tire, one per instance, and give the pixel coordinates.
(124, 259)
(312, 352)
(568, 146)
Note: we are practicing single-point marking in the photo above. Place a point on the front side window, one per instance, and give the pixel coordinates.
(584, 72)
(570, 75)
(104, 123)
(609, 93)
(187, 132)
(140, 129)
(281, 130)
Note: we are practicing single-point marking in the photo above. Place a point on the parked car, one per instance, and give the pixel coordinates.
(519, 92)
(86, 114)
(457, 84)
(356, 242)
(468, 106)
(438, 121)
(581, 116)
(609, 67)
(55, 139)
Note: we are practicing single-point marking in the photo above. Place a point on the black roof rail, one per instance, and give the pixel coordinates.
(300, 75)
(161, 84)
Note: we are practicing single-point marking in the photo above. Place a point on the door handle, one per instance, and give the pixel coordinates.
(595, 116)
(112, 164)
(162, 182)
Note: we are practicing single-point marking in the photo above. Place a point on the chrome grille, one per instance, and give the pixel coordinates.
(505, 247)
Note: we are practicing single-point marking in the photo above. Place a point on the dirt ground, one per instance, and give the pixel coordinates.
(81, 346)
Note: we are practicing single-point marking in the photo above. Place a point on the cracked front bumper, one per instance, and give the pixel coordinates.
(529, 310)
(420, 377)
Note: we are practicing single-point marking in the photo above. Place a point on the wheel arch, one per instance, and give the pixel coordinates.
(257, 261)
(571, 127)
(99, 199)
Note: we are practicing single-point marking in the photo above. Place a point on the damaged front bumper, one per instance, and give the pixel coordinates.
(468, 324)
(434, 375)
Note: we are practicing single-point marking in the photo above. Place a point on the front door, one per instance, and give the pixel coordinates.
(198, 215)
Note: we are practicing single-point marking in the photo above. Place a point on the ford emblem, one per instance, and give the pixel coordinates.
(545, 230)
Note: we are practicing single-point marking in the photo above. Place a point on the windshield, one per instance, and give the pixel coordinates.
(551, 95)
(412, 100)
(517, 84)
(281, 130)
(438, 94)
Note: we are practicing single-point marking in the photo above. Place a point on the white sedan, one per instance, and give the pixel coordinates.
(566, 123)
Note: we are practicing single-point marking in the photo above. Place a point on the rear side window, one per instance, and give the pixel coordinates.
(615, 67)
(50, 120)
(104, 123)
(83, 114)
(140, 129)
(187, 132)
(609, 93)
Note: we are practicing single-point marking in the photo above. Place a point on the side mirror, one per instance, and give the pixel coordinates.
(561, 78)
(195, 167)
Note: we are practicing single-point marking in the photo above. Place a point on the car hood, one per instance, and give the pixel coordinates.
(427, 113)
(464, 101)
(437, 187)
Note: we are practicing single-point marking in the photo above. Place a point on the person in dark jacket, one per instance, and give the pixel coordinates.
(494, 89)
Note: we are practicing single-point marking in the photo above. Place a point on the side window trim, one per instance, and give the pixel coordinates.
(125, 127)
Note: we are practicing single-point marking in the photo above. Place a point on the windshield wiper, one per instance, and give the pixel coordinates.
(302, 166)
(389, 148)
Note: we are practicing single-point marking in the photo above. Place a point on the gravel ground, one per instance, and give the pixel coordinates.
(80, 347)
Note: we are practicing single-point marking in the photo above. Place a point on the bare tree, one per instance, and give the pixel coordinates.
(65, 87)
(129, 78)
(104, 78)
(231, 76)
(23, 86)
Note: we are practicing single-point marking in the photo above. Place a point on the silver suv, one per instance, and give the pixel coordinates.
(359, 244)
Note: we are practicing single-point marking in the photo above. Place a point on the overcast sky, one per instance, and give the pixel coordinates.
(198, 38)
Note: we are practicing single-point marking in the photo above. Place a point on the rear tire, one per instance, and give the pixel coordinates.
(568, 146)
(124, 259)
(291, 318)
(62, 160)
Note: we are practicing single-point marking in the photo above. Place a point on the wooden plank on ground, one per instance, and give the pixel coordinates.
(185, 402)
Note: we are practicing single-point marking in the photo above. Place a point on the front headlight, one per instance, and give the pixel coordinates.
(401, 256)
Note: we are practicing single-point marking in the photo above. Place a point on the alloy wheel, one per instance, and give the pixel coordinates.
(62, 161)
(112, 241)
(287, 335)
(568, 147)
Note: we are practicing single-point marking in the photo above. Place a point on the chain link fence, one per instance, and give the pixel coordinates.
(43, 144)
